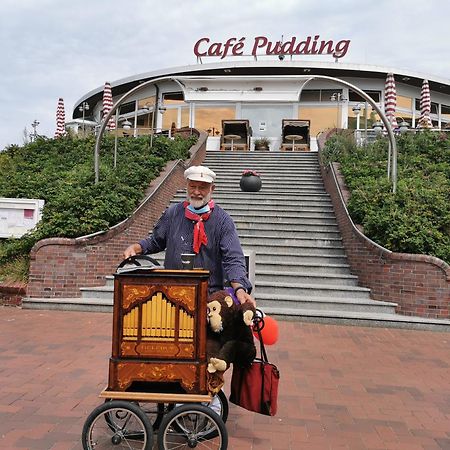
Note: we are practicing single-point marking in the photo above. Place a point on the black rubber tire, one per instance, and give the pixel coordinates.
(222, 412)
(201, 425)
(154, 415)
(130, 414)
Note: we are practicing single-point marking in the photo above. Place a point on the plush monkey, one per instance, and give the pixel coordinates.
(230, 338)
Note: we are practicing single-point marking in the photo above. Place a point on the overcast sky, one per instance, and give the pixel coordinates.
(57, 48)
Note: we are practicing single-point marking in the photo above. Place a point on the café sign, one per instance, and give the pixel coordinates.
(261, 45)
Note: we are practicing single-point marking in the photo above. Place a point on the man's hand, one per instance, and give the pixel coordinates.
(132, 250)
(243, 297)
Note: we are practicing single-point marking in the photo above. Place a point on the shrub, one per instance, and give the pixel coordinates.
(60, 171)
(417, 218)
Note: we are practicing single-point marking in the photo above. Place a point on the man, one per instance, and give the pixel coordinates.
(199, 226)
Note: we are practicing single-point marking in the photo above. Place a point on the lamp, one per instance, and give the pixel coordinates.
(126, 124)
(34, 135)
(403, 126)
(162, 109)
(83, 108)
(339, 98)
(357, 110)
(377, 127)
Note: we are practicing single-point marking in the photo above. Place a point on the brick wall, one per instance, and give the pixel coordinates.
(419, 284)
(59, 267)
(11, 294)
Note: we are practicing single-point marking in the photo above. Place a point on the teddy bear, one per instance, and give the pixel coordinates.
(229, 335)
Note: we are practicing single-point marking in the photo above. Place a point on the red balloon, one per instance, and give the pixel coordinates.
(269, 333)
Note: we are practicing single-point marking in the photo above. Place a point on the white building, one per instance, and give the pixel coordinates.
(19, 215)
(265, 93)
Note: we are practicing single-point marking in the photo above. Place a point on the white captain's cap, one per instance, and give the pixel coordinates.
(200, 173)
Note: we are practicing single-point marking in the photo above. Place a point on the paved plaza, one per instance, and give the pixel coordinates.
(341, 387)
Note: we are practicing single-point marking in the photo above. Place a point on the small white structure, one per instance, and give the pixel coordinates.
(78, 126)
(19, 215)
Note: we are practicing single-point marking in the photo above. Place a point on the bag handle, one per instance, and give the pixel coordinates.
(258, 325)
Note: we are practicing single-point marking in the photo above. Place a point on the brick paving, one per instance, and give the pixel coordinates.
(341, 387)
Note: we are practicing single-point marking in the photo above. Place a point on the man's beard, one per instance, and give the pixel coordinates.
(199, 203)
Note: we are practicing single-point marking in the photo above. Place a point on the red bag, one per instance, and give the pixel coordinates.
(256, 388)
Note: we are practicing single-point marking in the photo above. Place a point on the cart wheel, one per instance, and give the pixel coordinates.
(154, 411)
(117, 423)
(218, 403)
(192, 425)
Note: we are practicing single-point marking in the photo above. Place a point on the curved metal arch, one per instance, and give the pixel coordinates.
(307, 78)
(384, 119)
(113, 110)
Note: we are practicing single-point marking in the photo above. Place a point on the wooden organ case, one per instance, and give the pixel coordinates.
(159, 331)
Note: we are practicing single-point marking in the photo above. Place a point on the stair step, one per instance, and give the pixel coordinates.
(288, 232)
(293, 242)
(302, 302)
(303, 250)
(271, 196)
(70, 304)
(296, 276)
(276, 288)
(282, 256)
(288, 217)
(264, 203)
(266, 264)
(244, 224)
(100, 292)
(369, 319)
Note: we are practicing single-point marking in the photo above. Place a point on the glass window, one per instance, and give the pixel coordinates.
(170, 116)
(404, 102)
(210, 118)
(173, 98)
(320, 118)
(310, 95)
(147, 102)
(434, 106)
(127, 107)
(326, 94)
(445, 110)
(28, 213)
(445, 114)
(184, 117)
(374, 95)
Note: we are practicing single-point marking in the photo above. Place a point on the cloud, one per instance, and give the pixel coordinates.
(65, 49)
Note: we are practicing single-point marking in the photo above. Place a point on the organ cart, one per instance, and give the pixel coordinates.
(157, 384)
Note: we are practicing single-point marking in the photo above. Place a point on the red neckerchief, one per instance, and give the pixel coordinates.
(200, 237)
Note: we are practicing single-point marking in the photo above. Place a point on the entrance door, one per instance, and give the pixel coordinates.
(265, 120)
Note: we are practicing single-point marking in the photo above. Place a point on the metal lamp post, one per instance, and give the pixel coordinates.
(339, 98)
(403, 126)
(34, 134)
(83, 108)
(357, 110)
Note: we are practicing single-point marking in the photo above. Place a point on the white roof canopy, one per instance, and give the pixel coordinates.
(235, 89)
